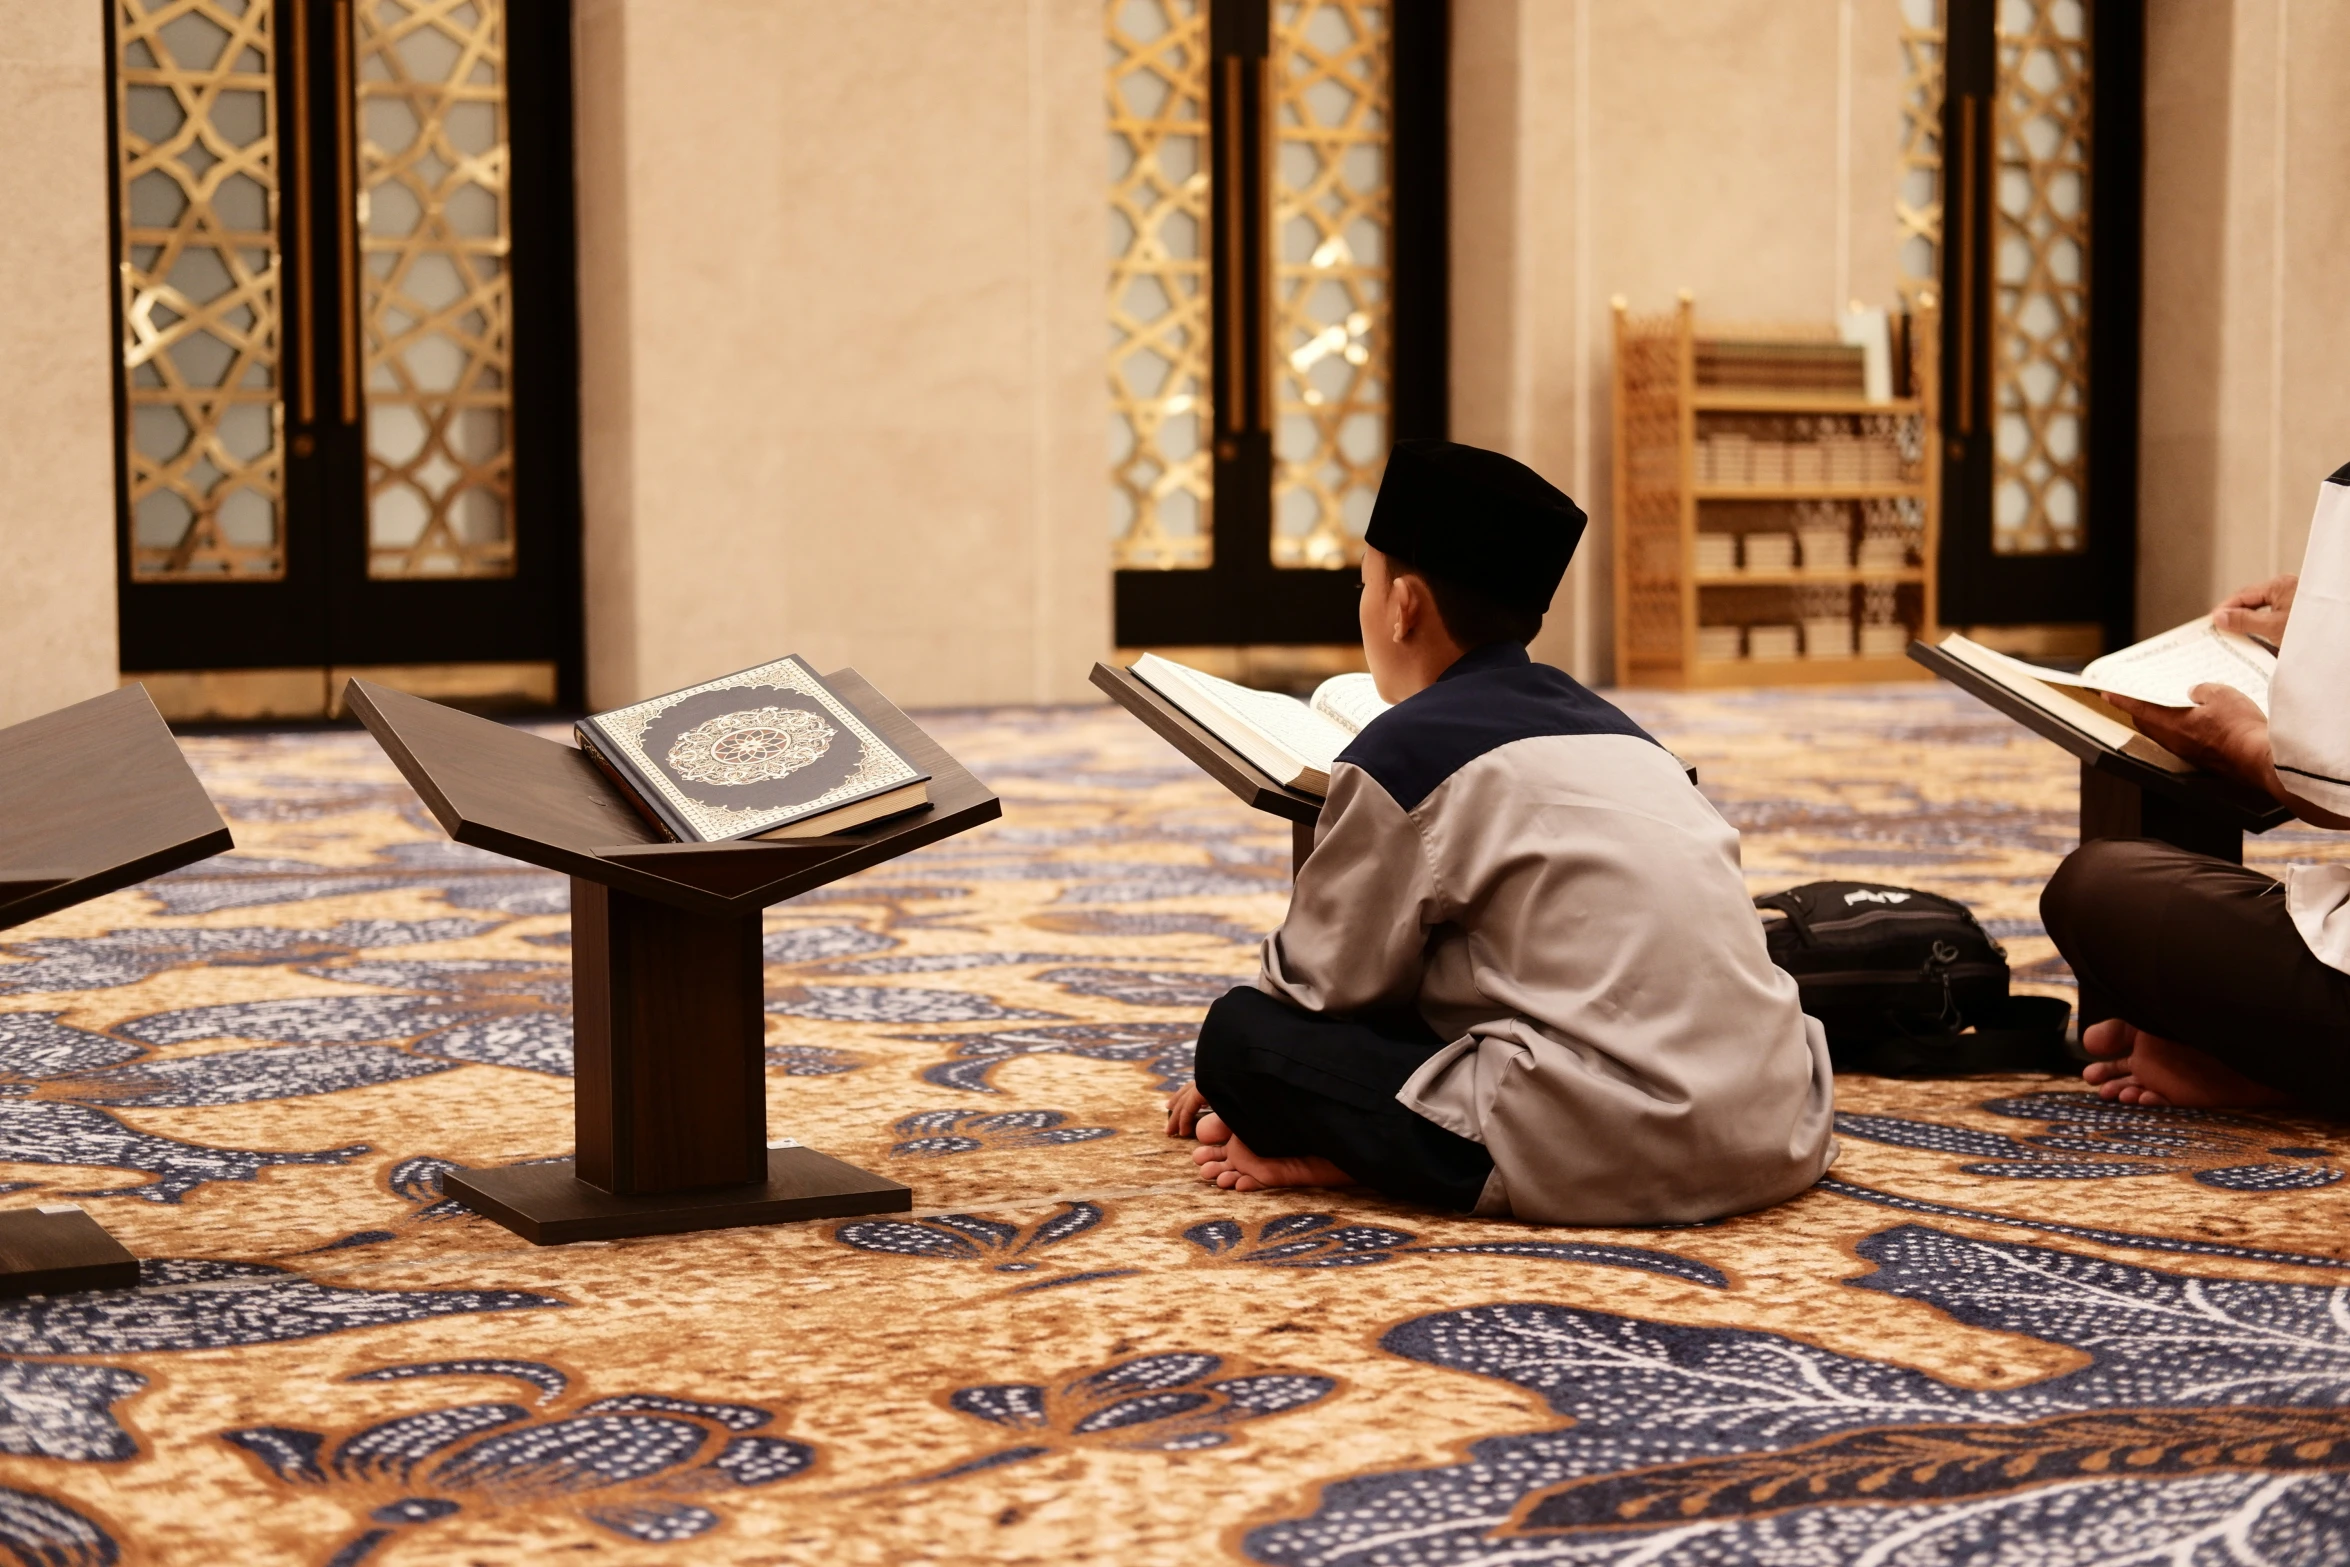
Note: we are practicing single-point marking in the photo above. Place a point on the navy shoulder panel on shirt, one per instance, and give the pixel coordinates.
(2340, 475)
(1492, 697)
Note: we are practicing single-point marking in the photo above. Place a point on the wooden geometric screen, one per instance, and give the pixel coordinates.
(1331, 103)
(1917, 205)
(197, 180)
(436, 307)
(2039, 278)
(1161, 478)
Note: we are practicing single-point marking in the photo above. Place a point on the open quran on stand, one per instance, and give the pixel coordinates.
(2131, 786)
(1295, 743)
(768, 753)
(2163, 670)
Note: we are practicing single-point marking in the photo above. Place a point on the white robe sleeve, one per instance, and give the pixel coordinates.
(2309, 716)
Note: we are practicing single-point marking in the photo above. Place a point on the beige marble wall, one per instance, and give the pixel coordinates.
(2246, 404)
(842, 289)
(1742, 149)
(57, 642)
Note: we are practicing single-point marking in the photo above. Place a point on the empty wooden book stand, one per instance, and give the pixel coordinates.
(93, 798)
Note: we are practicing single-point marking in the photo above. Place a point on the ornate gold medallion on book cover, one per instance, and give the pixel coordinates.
(776, 742)
(2014, 1323)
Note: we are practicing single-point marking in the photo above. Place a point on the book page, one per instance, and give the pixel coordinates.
(1349, 701)
(1280, 736)
(2164, 669)
(1285, 720)
(2076, 707)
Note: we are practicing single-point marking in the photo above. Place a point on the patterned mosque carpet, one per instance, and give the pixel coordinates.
(2015, 1324)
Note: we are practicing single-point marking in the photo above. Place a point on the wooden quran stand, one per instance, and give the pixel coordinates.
(93, 798)
(669, 1020)
(2122, 797)
(1212, 756)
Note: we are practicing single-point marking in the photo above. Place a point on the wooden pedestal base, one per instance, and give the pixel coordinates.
(2114, 807)
(549, 1205)
(55, 1251)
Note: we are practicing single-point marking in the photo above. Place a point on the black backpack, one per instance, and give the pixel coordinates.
(1898, 977)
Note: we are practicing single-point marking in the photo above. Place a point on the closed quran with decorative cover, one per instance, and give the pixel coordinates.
(771, 752)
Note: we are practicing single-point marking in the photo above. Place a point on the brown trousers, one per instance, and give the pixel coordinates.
(2202, 951)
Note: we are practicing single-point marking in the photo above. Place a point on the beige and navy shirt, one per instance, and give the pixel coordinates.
(1517, 858)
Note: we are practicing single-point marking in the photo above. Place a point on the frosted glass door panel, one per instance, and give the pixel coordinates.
(435, 304)
(197, 183)
(1161, 475)
(1332, 259)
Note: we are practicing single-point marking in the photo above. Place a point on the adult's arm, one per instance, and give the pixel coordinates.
(2309, 699)
(2300, 753)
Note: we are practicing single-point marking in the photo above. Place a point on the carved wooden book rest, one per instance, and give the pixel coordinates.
(669, 1025)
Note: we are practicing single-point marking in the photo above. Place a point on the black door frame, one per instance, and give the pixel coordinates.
(325, 611)
(1241, 597)
(1977, 586)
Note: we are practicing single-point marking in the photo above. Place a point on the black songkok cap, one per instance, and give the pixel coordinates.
(1476, 518)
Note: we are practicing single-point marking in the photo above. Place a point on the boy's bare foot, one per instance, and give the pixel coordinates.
(1226, 1161)
(2138, 1068)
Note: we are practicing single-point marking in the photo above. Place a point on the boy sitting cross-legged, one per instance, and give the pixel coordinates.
(1520, 972)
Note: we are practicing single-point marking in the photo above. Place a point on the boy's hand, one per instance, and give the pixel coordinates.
(2260, 610)
(1184, 1110)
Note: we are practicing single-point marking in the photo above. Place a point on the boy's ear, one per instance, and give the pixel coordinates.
(1411, 605)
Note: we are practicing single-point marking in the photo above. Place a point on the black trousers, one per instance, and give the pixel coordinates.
(1292, 1083)
(2201, 951)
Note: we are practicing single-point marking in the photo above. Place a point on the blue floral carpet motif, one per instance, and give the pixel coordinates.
(2014, 1324)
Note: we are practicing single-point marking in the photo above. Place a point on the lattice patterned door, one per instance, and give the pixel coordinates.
(1276, 301)
(2038, 223)
(345, 324)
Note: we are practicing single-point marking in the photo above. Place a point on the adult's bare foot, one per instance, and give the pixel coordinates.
(2134, 1067)
(1229, 1163)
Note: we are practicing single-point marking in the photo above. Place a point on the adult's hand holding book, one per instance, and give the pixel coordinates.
(2166, 670)
(2161, 674)
(2221, 730)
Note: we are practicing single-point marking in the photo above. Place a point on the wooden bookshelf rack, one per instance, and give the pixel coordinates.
(1775, 533)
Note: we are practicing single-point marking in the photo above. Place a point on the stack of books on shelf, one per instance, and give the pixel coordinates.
(1783, 366)
(1717, 554)
(1770, 552)
(1771, 642)
(1884, 641)
(1884, 554)
(1826, 549)
(1862, 459)
(1827, 636)
(1727, 458)
(1735, 457)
